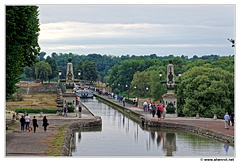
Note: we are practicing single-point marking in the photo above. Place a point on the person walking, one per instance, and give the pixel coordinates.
(22, 121)
(226, 120)
(164, 112)
(123, 100)
(145, 106)
(45, 123)
(153, 109)
(79, 111)
(150, 107)
(65, 111)
(35, 125)
(27, 121)
(232, 118)
(159, 113)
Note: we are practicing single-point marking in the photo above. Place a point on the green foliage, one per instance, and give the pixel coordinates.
(141, 80)
(43, 70)
(150, 80)
(53, 66)
(22, 30)
(206, 91)
(36, 111)
(89, 71)
(122, 75)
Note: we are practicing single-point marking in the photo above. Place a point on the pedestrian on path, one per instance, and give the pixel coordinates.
(153, 109)
(159, 112)
(35, 125)
(232, 118)
(145, 106)
(65, 111)
(79, 111)
(45, 123)
(226, 120)
(123, 100)
(150, 107)
(27, 121)
(22, 121)
(164, 112)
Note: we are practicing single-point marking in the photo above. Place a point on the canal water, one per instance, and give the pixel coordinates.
(121, 136)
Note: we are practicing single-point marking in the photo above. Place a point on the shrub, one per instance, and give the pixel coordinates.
(36, 111)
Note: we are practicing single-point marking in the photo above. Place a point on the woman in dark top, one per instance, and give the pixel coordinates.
(45, 123)
(35, 125)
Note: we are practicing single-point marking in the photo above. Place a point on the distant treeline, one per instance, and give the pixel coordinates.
(105, 62)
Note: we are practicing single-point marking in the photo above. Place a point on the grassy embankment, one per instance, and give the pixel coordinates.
(34, 102)
(56, 142)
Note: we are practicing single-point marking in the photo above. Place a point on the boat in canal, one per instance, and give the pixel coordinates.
(84, 94)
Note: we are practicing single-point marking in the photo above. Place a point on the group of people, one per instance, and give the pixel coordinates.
(26, 121)
(65, 110)
(159, 109)
(228, 119)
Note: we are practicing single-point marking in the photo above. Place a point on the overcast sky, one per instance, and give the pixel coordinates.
(137, 29)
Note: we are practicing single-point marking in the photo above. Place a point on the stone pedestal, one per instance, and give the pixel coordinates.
(215, 117)
(170, 97)
(69, 98)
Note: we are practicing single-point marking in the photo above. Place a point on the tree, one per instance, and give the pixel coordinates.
(78, 67)
(43, 70)
(89, 71)
(54, 55)
(54, 67)
(22, 27)
(30, 72)
(157, 89)
(140, 82)
(42, 55)
(206, 91)
(123, 74)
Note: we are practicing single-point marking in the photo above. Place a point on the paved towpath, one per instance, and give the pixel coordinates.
(207, 123)
(26, 143)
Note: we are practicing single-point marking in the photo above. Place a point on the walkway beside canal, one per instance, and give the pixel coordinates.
(37, 144)
(216, 126)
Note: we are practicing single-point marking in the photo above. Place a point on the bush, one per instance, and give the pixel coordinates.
(17, 97)
(36, 111)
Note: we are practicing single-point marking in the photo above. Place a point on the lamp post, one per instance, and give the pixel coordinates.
(79, 73)
(179, 73)
(160, 73)
(59, 74)
(128, 91)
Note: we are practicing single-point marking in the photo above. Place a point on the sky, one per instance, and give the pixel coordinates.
(137, 29)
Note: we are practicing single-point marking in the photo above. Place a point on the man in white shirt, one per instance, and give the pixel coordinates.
(226, 120)
(27, 121)
(145, 106)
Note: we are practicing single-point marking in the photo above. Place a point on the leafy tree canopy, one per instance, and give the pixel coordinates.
(22, 30)
(43, 70)
(206, 91)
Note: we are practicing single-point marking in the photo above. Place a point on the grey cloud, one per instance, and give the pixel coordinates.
(185, 24)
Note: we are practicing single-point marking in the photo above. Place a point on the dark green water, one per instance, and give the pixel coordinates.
(121, 136)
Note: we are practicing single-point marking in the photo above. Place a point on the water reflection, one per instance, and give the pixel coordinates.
(121, 136)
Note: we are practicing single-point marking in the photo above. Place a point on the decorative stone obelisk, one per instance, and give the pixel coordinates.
(170, 98)
(69, 97)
